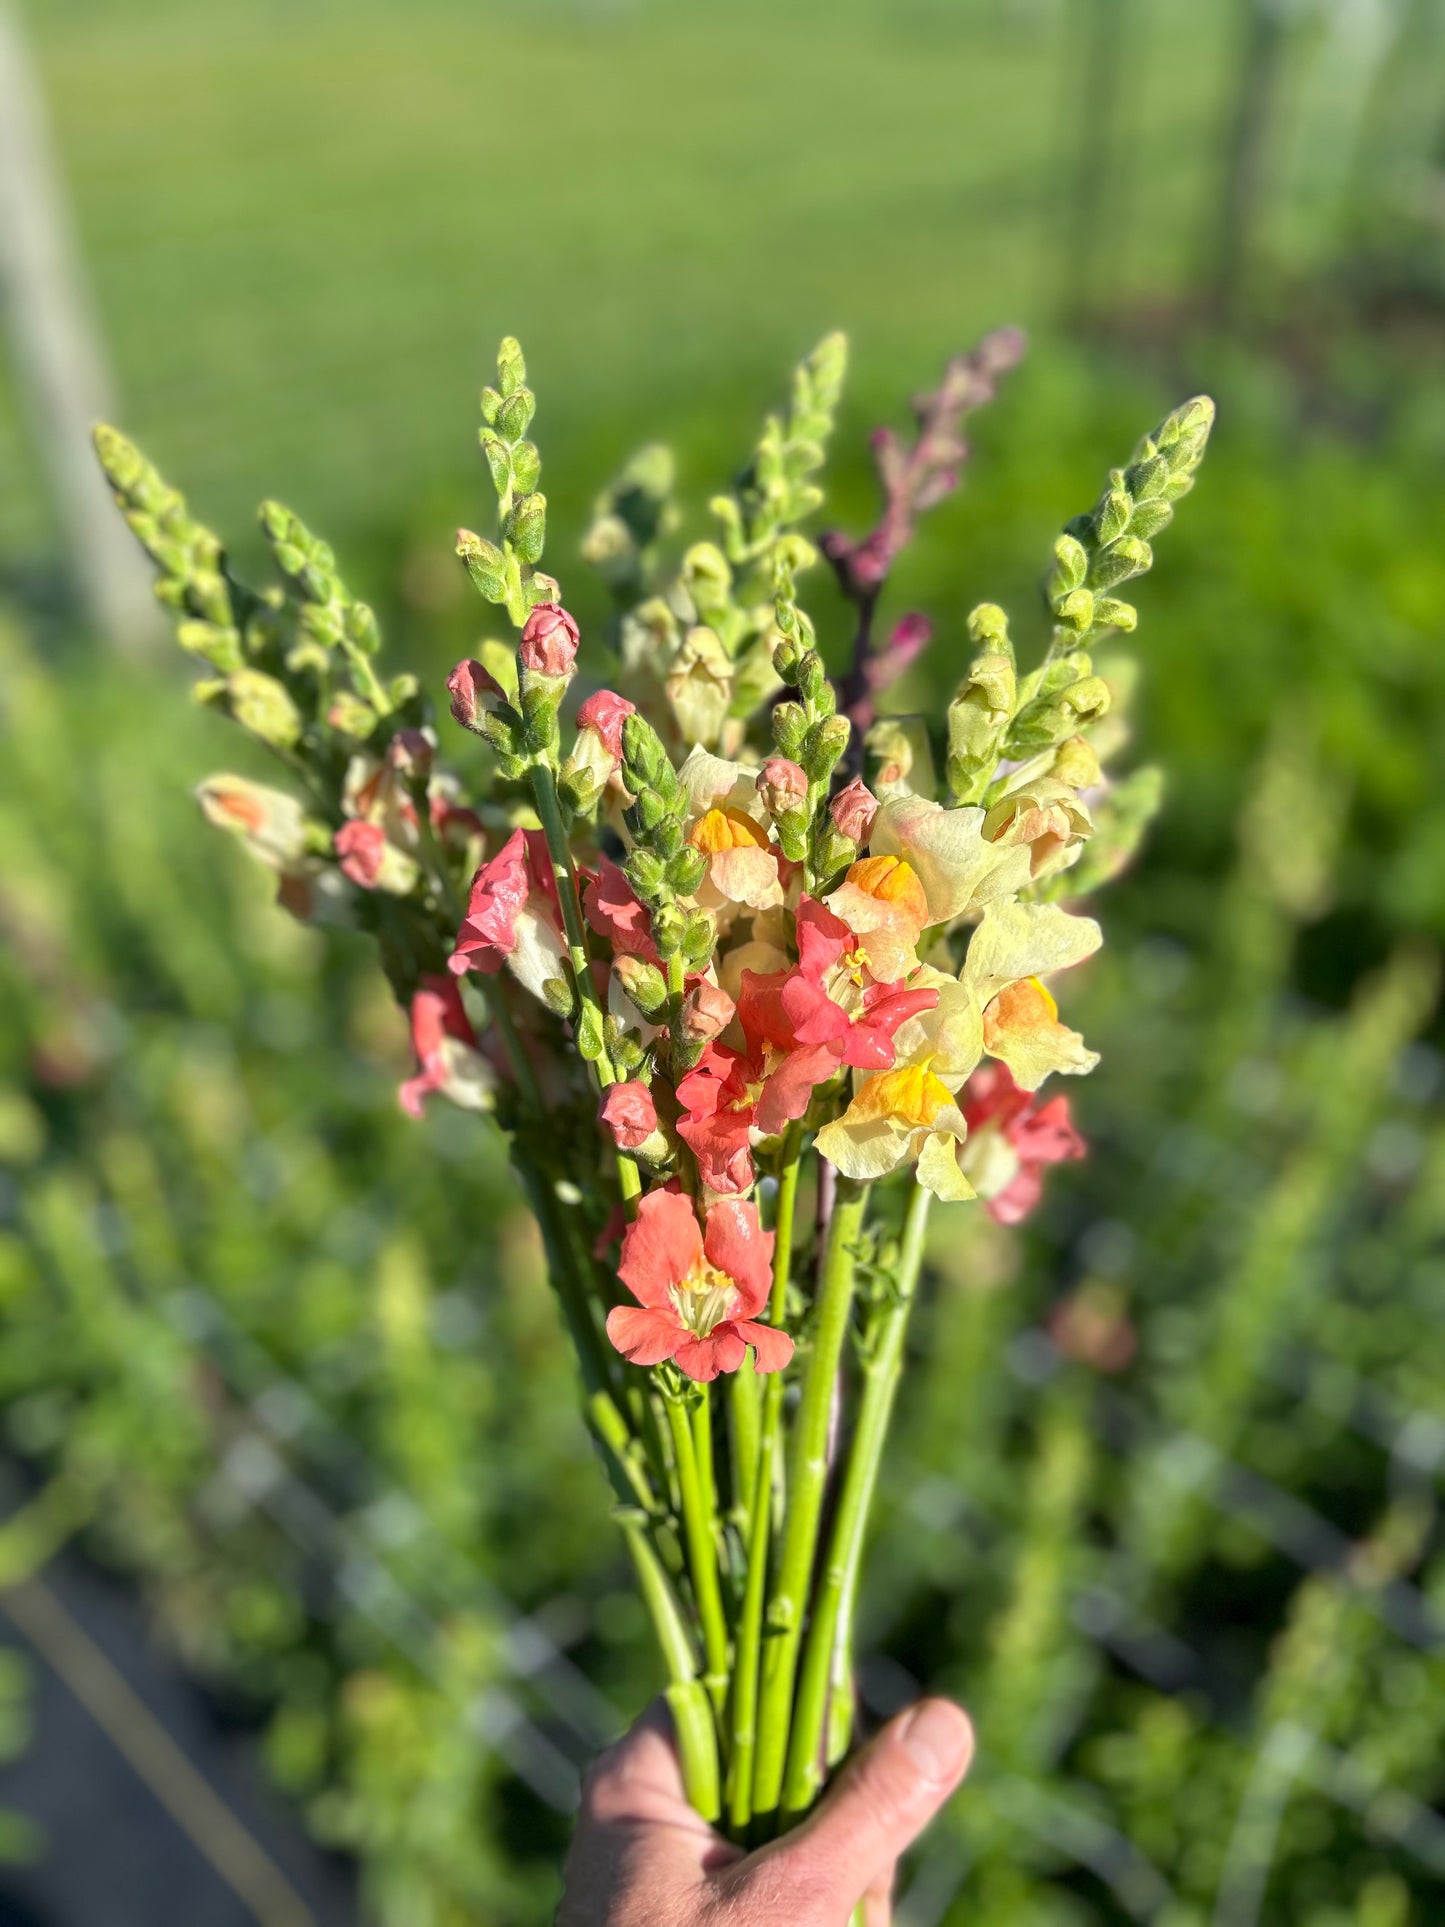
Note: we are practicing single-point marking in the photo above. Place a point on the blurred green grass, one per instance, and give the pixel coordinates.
(307, 226)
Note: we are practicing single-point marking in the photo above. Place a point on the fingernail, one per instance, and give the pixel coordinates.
(938, 1739)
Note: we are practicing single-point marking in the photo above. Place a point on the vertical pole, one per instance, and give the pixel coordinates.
(63, 379)
(1261, 59)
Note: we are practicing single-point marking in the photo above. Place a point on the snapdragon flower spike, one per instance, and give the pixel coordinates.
(448, 1059)
(1012, 1140)
(698, 1292)
(834, 998)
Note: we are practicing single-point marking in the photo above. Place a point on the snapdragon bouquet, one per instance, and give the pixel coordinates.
(749, 971)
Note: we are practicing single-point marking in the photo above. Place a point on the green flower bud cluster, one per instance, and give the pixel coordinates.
(775, 493)
(1063, 698)
(662, 866)
(192, 577)
(982, 707)
(630, 517)
(1109, 546)
(811, 733)
(261, 704)
(331, 618)
(508, 574)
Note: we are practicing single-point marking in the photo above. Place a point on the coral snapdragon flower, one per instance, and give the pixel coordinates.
(698, 1292)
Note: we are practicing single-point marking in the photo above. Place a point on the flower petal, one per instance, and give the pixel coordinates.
(644, 1337)
(958, 869)
(1016, 940)
(660, 1247)
(864, 1148)
(703, 1358)
(772, 1349)
(736, 1243)
(938, 1170)
(1021, 1027)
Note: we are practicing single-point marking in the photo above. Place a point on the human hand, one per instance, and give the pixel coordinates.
(641, 1857)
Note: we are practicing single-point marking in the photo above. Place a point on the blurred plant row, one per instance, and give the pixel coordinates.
(1175, 1451)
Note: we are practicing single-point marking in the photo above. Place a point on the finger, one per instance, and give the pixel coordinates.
(878, 1806)
(878, 1902)
(639, 1777)
(636, 1833)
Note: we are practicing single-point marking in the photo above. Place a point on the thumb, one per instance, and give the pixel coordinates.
(877, 1807)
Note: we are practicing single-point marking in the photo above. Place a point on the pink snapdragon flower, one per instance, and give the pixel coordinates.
(1011, 1142)
(475, 694)
(763, 1088)
(833, 997)
(614, 911)
(604, 713)
(361, 850)
(698, 1292)
(449, 1061)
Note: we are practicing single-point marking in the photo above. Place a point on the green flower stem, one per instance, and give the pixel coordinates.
(744, 1400)
(699, 1526)
(544, 788)
(691, 1708)
(750, 1625)
(692, 1714)
(622, 1451)
(807, 1480)
(830, 1632)
(435, 862)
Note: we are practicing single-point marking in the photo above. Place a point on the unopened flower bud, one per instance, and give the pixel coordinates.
(853, 810)
(350, 716)
(631, 1116)
(698, 938)
(549, 641)
(782, 786)
(263, 705)
(486, 564)
(605, 714)
(410, 753)
(790, 726)
(1076, 764)
(475, 694)
(643, 985)
(645, 872)
(270, 823)
(559, 996)
(527, 529)
(824, 743)
(1127, 557)
(707, 1010)
(685, 871)
(669, 927)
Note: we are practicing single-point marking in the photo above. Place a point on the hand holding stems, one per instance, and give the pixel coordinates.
(641, 1854)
